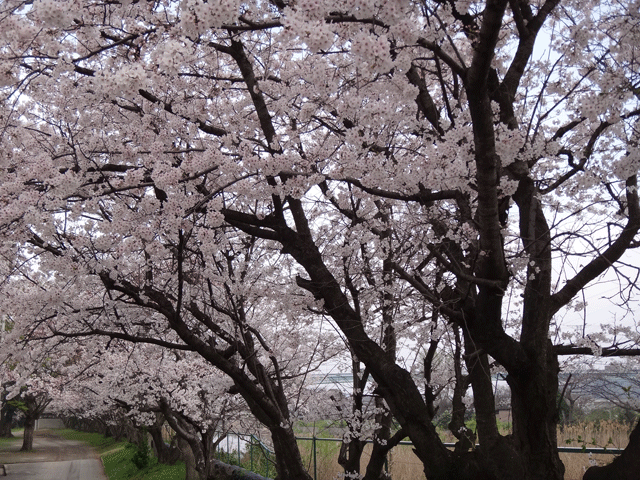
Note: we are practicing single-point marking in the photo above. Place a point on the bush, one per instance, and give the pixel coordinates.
(142, 457)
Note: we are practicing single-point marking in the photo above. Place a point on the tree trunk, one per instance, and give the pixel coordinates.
(351, 451)
(29, 429)
(189, 460)
(167, 455)
(535, 420)
(534, 380)
(289, 464)
(350, 455)
(380, 449)
(222, 471)
(6, 418)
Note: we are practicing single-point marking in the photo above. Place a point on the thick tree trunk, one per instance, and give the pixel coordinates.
(35, 404)
(375, 467)
(534, 381)
(535, 420)
(289, 464)
(29, 429)
(351, 451)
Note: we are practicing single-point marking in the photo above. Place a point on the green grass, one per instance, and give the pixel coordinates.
(6, 441)
(162, 472)
(119, 466)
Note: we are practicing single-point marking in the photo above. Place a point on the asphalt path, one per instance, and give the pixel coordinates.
(52, 458)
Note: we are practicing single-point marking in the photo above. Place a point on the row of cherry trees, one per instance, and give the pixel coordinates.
(248, 181)
(142, 369)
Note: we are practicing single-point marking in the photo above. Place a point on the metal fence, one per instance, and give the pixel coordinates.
(320, 456)
(248, 452)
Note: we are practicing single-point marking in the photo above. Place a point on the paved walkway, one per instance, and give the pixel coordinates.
(52, 458)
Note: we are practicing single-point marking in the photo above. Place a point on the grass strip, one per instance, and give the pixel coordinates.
(119, 466)
(6, 441)
(98, 441)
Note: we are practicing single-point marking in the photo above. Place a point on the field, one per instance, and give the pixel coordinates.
(602, 434)
(403, 464)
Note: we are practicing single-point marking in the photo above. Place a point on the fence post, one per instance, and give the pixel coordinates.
(268, 462)
(315, 458)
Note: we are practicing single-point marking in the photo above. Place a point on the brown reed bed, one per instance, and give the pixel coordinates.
(404, 465)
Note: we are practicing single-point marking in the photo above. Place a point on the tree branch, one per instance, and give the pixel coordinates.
(613, 253)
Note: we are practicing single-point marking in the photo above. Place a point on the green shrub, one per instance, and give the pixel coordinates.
(142, 457)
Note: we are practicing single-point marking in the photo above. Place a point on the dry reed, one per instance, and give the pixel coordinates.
(404, 465)
(602, 434)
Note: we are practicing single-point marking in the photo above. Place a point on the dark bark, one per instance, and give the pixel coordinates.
(535, 419)
(189, 459)
(288, 459)
(195, 444)
(29, 429)
(624, 467)
(351, 451)
(34, 405)
(6, 419)
(350, 455)
(466, 438)
(223, 471)
(166, 454)
(533, 381)
(380, 448)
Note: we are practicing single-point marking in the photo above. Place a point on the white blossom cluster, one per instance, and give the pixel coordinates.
(172, 56)
(462, 6)
(316, 33)
(56, 13)
(125, 81)
(374, 50)
(199, 17)
(163, 162)
(405, 30)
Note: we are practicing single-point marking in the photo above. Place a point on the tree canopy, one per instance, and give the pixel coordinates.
(244, 180)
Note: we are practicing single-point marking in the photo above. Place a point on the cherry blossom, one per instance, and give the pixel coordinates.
(246, 180)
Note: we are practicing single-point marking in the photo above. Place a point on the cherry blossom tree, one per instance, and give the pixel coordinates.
(189, 159)
(266, 346)
(152, 386)
(29, 380)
